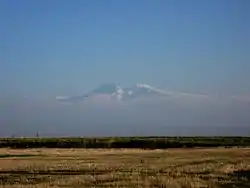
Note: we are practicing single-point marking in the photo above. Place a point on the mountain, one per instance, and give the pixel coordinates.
(113, 91)
(107, 89)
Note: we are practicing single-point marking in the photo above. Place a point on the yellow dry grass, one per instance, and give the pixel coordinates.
(173, 168)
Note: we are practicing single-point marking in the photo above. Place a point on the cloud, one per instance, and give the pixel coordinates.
(102, 116)
(245, 98)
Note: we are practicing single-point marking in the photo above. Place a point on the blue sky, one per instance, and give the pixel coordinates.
(63, 47)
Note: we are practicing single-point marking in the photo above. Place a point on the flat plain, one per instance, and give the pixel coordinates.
(170, 168)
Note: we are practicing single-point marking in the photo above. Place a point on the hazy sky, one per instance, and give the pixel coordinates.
(62, 47)
(68, 47)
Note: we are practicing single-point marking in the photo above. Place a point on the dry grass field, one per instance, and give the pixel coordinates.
(173, 168)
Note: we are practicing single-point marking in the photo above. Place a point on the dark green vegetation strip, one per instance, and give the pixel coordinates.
(126, 142)
(17, 155)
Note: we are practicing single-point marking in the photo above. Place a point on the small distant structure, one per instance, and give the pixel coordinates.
(37, 134)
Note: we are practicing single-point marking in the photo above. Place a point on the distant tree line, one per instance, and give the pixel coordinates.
(126, 142)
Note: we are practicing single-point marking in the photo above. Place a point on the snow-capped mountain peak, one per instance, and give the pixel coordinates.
(139, 85)
(150, 88)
